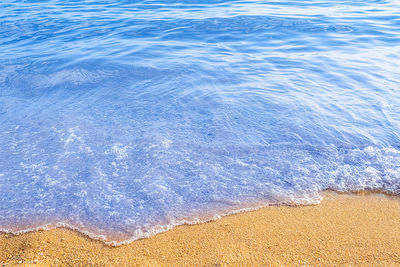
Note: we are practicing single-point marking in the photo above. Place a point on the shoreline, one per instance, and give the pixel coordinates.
(205, 219)
(357, 228)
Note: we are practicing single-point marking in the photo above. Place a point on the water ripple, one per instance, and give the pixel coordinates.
(124, 118)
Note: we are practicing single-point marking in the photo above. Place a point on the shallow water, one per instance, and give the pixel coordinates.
(124, 118)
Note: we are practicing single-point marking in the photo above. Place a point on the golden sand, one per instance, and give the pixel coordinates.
(361, 229)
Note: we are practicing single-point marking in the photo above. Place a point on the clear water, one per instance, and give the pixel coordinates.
(124, 118)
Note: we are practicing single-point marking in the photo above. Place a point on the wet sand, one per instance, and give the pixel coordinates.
(358, 229)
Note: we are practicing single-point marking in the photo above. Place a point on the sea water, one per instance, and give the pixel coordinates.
(122, 119)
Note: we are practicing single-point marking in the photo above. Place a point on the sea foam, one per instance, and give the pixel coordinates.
(122, 120)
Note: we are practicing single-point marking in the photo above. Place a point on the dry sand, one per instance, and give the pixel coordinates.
(361, 229)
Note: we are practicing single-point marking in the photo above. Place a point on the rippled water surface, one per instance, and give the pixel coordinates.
(124, 118)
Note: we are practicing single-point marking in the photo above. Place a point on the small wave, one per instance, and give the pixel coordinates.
(122, 126)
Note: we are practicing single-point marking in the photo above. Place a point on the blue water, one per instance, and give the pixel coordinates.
(122, 119)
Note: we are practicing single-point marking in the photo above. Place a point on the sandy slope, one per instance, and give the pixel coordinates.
(354, 229)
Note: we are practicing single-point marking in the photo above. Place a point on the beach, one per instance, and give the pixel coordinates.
(220, 123)
(199, 133)
(351, 229)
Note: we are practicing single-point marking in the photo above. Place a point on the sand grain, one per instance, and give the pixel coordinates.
(362, 229)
